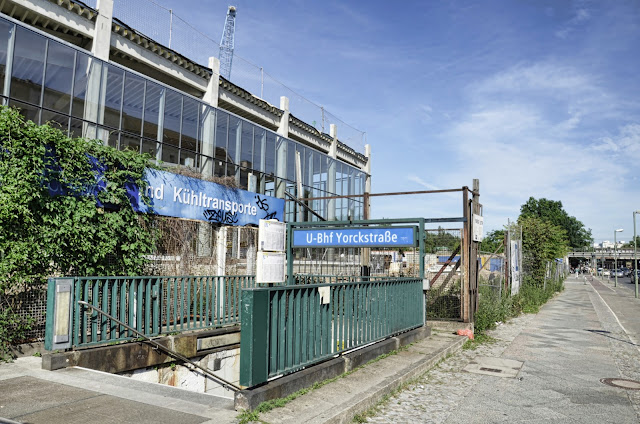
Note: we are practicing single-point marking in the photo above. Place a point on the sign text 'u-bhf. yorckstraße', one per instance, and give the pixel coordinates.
(355, 237)
(185, 197)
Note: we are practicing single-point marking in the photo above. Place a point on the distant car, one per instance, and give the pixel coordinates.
(616, 273)
(606, 273)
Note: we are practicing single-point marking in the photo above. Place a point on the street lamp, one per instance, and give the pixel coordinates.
(635, 254)
(615, 255)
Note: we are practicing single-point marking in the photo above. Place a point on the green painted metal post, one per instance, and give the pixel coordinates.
(289, 254)
(51, 297)
(254, 341)
(421, 236)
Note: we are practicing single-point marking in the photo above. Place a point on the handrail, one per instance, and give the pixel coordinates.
(227, 385)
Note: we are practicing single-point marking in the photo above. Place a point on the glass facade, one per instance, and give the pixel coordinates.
(52, 82)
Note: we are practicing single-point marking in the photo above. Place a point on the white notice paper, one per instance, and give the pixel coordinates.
(270, 267)
(477, 227)
(271, 235)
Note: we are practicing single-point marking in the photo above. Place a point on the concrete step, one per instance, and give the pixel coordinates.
(142, 391)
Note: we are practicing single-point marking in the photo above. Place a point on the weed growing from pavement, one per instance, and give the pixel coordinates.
(479, 339)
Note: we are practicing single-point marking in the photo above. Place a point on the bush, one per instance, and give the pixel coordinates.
(494, 308)
(59, 216)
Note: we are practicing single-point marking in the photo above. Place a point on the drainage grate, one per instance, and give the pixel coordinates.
(490, 369)
(621, 383)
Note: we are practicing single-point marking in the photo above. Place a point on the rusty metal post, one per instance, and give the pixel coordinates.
(464, 286)
(365, 268)
(473, 255)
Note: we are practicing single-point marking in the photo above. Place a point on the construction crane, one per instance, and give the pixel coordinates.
(226, 43)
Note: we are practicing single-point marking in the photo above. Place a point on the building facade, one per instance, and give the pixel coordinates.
(94, 77)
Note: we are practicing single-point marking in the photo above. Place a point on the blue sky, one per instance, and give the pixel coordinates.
(533, 98)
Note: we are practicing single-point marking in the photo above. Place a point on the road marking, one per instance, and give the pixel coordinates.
(616, 317)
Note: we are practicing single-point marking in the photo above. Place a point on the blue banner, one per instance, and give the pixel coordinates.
(192, 198)
(355, 237)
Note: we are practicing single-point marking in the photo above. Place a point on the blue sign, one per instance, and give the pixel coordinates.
(185, 197)
(355, 237)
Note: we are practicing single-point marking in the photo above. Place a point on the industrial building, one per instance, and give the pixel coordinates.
(65, 62)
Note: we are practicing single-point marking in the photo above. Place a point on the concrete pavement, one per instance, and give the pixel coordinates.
(586, 334)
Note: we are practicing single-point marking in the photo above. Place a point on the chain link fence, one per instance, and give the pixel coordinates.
(442, 269)
(167, 28)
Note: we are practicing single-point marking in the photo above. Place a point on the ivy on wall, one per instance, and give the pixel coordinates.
(58, 216)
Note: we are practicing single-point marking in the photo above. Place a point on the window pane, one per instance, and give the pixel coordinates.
(58, 77)
(149, 146)
(291, 161)
(5, 35)
(28, 66)
(75, 128)
(308, 174)
(222, 130)
(169, 154)
(153, 97)
(129, 142)
(246, 154)
(234, 138)
(190, 124)
(56, 120)
(188, 158)
(270, 154)
(113, 96)
(30, 112)
(80, 83)
(172, 113)
(132, 103)
(258, 142)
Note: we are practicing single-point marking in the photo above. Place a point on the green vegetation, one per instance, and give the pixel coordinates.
(547, 233)
(552, 212)
(440, 239)
(492, 241)
(86, 226)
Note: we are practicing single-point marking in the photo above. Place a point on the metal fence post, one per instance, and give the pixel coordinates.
(254, 346)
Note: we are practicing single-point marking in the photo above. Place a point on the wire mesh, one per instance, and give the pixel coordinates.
(442, 269)
(167, 28)
(347, 264)
(492, 268)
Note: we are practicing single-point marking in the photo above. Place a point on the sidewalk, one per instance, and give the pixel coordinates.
(75, 395)
(565, 351)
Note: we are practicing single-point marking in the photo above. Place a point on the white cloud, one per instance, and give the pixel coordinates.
(581, 16)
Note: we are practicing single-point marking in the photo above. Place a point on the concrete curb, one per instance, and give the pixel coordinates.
(375, 394)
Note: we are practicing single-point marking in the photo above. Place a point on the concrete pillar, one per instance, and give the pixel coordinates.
(102, 31)
(211, 95)
(283, 127)
(92, 107)
(281, 148)
(221, 250)
(209, 119)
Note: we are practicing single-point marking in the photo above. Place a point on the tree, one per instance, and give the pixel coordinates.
(492, 241)
(440, 239)
(543, 242)
(549, 210)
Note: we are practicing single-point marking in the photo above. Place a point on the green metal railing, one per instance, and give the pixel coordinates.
(286, 328)
(154, 305)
